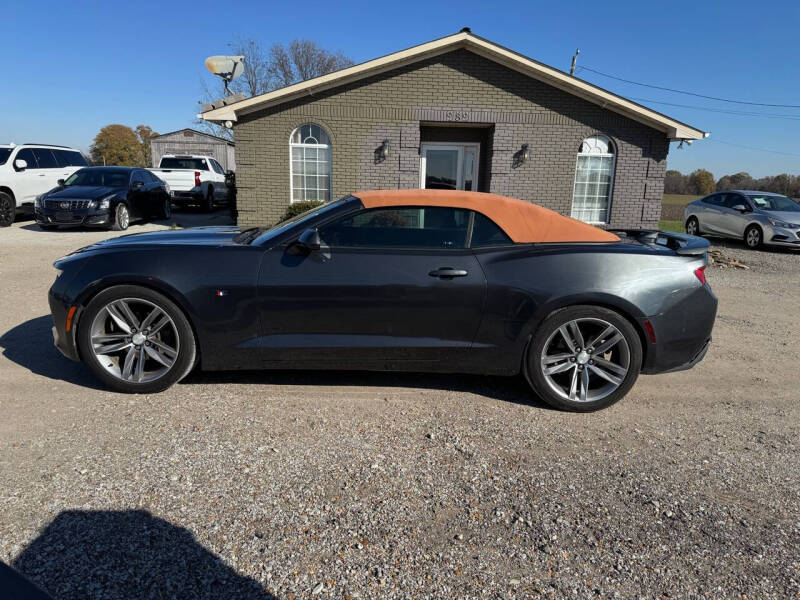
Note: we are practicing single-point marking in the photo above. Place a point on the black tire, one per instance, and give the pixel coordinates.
(122, 217)
(46, 227)
(549, 329)
(753, 237)
(693, 226)
(208, 201)
(187, 350)
(166, 210)
(8, 209)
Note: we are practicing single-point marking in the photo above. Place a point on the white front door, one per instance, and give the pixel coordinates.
(444, 166)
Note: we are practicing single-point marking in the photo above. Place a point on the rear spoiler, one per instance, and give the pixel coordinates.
(683, 244)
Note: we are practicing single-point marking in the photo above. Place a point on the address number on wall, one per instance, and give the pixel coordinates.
(456, 115)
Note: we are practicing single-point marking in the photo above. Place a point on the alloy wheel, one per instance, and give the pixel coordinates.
(134, 340)
(753, 237)
(691, 227)
(6, 215)
(585, 360)
(123, 218)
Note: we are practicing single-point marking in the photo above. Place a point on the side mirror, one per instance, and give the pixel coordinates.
(137, 184)
(20, 164)
(741, 208)
(60, 183)
(309, 240)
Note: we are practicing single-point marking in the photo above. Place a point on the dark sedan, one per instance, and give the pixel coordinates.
(110, 197)
(416, 280)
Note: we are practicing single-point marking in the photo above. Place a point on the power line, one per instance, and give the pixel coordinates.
(719, 141)
(744, 113)
(658, 87)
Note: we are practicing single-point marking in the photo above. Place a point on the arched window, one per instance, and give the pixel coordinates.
(310, 171)
(594, 180)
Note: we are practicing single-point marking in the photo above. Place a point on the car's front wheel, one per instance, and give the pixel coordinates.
(584, 358)
(753, 237)
(136, 340)
(166, 210)
(122, 218)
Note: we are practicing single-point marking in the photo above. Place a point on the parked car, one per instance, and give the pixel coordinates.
(409, 280)
(755, 217)
(28, 170)
(194, 180)
(108, 197)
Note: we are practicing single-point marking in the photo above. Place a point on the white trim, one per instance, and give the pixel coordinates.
(675, 130)
(329, 147)
(460, 148)
(613, 156)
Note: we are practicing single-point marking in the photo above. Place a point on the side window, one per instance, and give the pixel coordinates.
(45, 158)
(62, 157)
(75, 159)
(486, 232)
(27, 155)
(714, 199)
(732, 200)
(137, 176)
(216, 166)
(406, 227)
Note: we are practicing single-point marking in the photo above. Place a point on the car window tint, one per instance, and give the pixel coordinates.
(402, 227)
(61, 157)
(27, 155)
(732, 200)
(45, 158)
(215, 165)
(486, 232)
(715, 199)
(75, 159)
(137, 176)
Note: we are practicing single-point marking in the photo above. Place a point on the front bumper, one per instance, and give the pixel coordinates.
(64, 340)
(781, 236)
(86, 216)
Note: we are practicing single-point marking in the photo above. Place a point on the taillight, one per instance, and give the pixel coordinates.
(197, 179)
(700, 273)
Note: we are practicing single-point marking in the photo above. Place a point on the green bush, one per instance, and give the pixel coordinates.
(298, 208)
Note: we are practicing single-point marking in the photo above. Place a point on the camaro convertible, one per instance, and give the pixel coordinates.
(412, 280)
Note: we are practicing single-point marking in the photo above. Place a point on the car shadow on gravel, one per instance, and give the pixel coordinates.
(30, 345)
(128, 554)
(506, 389)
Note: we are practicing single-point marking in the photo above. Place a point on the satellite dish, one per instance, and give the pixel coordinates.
(227, 68)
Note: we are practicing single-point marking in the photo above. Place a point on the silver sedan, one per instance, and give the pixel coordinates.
(755, 217)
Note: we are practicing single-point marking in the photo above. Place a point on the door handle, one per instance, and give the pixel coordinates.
(447, 273)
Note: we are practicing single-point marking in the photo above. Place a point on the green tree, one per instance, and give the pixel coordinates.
(120, 145)
(702, 182)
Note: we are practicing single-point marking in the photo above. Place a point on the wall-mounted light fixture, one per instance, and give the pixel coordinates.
(385, 149)
(524, 154)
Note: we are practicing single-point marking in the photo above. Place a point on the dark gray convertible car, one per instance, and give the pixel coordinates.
(415, 280)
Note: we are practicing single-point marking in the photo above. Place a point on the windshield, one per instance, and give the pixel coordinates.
(774, 202)
(262, 234)
(197, 164)
(4, 154)
(99, 178)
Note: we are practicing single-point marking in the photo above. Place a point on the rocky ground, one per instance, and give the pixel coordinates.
(274, 485)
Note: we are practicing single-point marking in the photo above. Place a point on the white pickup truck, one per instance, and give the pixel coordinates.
(198, 180)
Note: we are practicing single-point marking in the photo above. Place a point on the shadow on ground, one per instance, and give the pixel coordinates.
(128, 554)
(506, 389)
(30, 345)
(187, 217)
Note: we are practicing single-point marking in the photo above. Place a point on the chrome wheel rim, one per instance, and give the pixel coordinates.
(134, 340)
(585, 360)
(753, 237)
(691, 227)
(122, 216)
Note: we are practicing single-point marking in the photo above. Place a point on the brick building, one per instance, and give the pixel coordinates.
(457, 112)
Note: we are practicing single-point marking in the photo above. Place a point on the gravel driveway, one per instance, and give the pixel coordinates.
(274, 485)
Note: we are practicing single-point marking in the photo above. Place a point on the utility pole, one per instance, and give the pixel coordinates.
(574, 62)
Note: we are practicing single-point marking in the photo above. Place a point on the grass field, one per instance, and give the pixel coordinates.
(668, 225)
(678, 199)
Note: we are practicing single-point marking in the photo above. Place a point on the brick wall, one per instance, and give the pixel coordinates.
(457, 87)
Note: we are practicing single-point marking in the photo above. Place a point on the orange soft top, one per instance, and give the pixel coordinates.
(524, 222)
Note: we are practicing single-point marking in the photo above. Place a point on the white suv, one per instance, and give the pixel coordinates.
(29, 170)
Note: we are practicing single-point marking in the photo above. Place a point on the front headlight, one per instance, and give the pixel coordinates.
(37, 202)
(784, 224)
(102, 204)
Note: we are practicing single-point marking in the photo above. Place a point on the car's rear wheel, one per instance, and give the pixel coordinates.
(122, 218)
(208, 202)
(135, 340)
(693, 226)
(753, 237)
(584, 358)
(8, 209)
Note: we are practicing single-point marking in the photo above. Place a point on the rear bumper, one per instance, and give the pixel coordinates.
(682, 333)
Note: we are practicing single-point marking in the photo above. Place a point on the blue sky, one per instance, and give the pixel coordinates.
(70, 69)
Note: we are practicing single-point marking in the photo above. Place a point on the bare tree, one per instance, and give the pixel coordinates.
(265, 71)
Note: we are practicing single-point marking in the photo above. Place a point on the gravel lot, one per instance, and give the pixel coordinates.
(274, 485)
